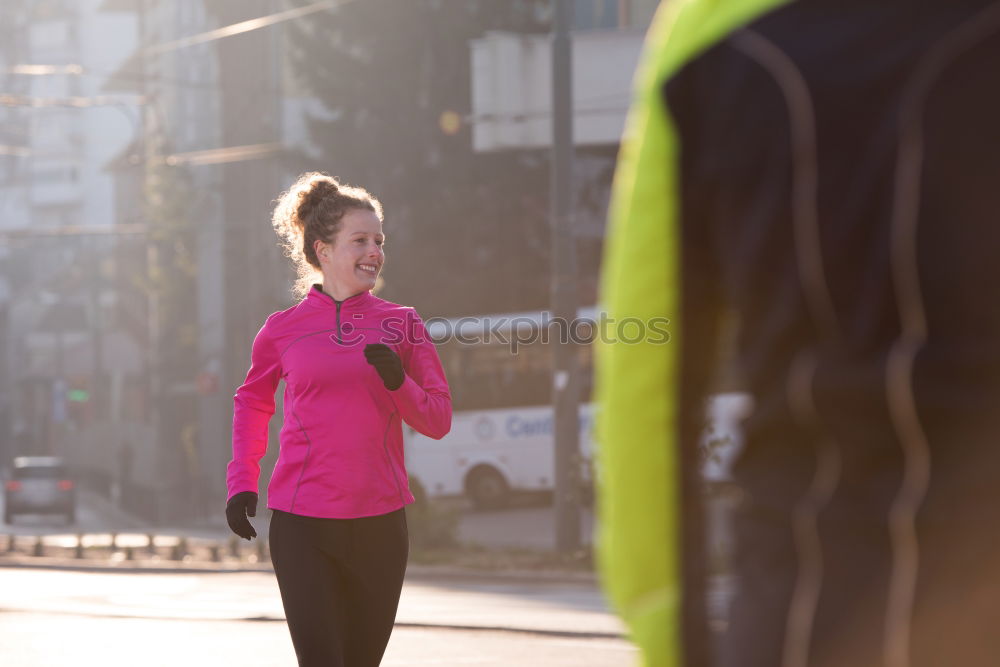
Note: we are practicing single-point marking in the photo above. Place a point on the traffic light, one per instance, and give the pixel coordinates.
(78, 395)
(78, 400)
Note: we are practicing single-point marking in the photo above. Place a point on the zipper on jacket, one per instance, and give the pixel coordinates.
(339, 341)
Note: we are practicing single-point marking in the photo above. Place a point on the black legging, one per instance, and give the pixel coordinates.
(340, 581)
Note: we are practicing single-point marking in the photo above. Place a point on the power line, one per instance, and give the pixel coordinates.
(223, 155)
(184, 42)
(44, 70)
(243, 27)
(107, 75)
(73, 230)
(17, 151)
(65, 102)
(517, 116)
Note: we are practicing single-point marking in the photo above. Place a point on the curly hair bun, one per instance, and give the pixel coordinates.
(319, 189)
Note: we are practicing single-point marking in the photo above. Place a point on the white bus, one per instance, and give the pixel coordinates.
(501, 440)
(500, 372)
(491, 453)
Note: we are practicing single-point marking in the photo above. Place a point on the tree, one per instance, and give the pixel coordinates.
(467, 232)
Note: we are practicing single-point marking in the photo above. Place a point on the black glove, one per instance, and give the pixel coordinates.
(239, 507)
(387, 363)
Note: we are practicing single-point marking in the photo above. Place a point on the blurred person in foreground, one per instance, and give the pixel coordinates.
(829, 172)
(355, 367)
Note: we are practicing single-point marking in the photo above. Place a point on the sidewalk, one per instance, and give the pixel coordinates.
(540, 608)
(211, 547)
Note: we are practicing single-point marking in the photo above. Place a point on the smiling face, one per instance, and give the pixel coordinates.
(351, 264)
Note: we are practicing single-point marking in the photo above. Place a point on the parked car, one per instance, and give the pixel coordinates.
(39, 485)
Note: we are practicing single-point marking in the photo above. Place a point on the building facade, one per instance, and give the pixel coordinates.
(63, 357)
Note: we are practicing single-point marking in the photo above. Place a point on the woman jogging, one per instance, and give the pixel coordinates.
(355, 368)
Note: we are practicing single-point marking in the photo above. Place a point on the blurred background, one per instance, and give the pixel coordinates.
(143, 141)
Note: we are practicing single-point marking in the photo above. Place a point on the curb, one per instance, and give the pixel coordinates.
(431, 572)
(544, 632)
(413, 571)
(583, 634)
(127, 567)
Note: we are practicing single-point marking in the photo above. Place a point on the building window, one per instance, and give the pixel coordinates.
(612, 14)
(596, 14)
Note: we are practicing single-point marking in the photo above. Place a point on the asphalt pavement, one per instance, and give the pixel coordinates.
(558, 609)
(552, 606)
(129, 617)
(127, 642)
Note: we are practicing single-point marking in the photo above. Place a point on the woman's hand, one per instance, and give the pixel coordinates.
(387, 363)
(239, 507)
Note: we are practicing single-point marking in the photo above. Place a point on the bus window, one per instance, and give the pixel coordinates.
(489, 374)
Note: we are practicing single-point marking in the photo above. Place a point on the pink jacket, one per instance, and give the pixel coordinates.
(341, 445)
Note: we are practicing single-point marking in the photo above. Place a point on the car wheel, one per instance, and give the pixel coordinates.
(487, 488)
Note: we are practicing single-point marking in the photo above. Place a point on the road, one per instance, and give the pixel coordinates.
(53, 617)
(42, 640)
(93, 514)
(440, 622)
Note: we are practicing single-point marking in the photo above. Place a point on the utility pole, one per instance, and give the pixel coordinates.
(566, 374)
(153, 356)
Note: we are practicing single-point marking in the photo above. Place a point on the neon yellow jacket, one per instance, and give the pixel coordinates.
(637, 462)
